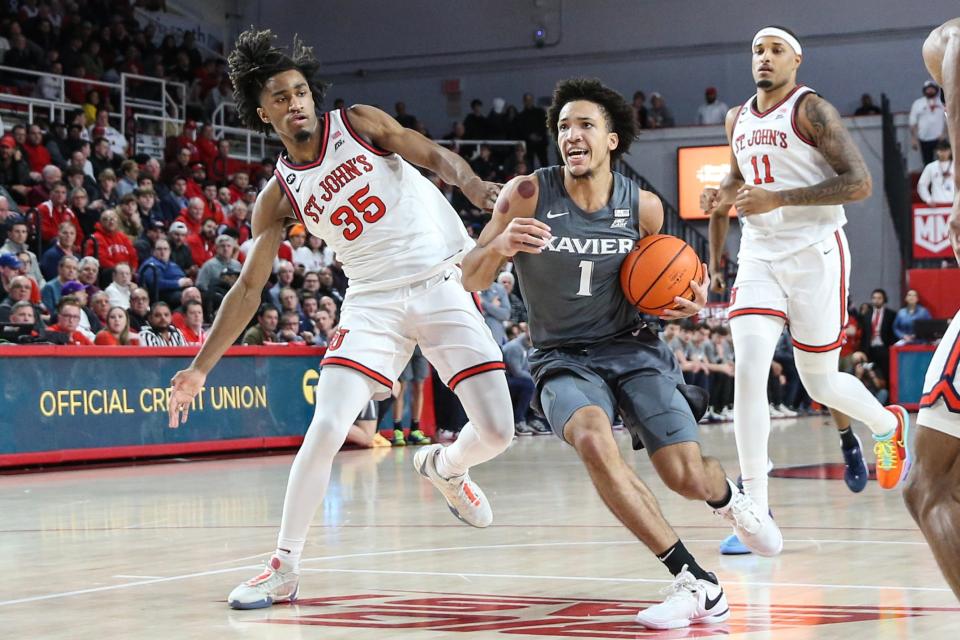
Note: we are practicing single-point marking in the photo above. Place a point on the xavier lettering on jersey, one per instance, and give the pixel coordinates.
(591, 246)
(342, 175)
(760, 138)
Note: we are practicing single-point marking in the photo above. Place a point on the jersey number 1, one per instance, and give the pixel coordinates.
(768, 177)
(586, 273)
(370, 208)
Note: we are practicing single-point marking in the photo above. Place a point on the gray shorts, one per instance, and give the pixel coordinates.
(636, 376)
(417, 369)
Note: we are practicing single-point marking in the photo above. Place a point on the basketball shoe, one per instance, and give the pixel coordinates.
(753, 527)
(893, 451)
(855, 472)
(272, 586)
(464, 498)
(418, 437)
(398, 439)
(689, 601)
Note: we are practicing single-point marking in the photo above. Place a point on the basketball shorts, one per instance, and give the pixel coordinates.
(940, 402)
(418, 369)
(379, 330)
(808, 289)
(635, 375)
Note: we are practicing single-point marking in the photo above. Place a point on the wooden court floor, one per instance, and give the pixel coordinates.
(151, 551)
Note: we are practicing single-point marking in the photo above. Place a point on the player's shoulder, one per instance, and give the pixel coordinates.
(519, 196)
(361, 115)
(648, 199)
(271, 201)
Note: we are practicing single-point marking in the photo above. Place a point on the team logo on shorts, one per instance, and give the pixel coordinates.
(733, 295)
(337, 339)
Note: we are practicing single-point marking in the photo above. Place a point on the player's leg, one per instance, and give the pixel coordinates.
(421, 371)
(817, 280)
(341, 395)
(855, 472)
(580, 411)
(398, 404)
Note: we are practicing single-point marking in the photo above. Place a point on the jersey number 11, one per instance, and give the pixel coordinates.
(768, 177)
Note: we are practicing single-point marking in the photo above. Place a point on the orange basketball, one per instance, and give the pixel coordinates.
(657, 270)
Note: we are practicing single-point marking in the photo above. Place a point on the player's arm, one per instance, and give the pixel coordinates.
(651, 221)
(821, 122)
(941, 54)
(717, 202)
(387, 134)
(270, 213)
(511, 229)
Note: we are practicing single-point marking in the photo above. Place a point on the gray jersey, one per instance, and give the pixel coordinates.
(572, 289)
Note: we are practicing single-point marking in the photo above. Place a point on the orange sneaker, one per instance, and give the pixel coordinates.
(893, 452)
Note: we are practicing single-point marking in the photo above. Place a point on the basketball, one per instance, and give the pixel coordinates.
(658, 269)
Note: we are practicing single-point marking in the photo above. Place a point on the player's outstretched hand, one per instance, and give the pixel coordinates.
(754, 200)
(184, 387)
(709, 199)
(482, 194)
(686, 308)
(528, 235)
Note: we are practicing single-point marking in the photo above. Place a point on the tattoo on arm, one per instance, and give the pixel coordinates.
(852, 181)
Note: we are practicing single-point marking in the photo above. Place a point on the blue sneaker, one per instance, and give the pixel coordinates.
(731, 546)
(856, 473)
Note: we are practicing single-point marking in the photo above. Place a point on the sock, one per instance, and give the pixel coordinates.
(398, 426)
(725, 500)
(677, 557)
(290, 555)
(414, 425)
(848, 439)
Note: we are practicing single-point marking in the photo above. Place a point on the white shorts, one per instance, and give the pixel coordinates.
(379, 329)
(808, 289)
(940, 403)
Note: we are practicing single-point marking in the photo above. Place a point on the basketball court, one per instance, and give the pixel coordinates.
(151, 551)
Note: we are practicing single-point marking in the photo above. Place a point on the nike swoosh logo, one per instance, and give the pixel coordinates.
(710, 604)
(674, 432)
(828, 251)
(551, 216)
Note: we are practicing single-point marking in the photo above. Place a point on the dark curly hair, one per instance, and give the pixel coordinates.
(617, 112)
(255, 59)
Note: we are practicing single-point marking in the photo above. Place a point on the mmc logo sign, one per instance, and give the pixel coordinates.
(931, 232)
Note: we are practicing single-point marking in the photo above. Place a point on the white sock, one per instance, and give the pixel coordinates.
(289, 554)
(486, 400)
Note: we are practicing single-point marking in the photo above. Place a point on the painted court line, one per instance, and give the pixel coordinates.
(139, 577)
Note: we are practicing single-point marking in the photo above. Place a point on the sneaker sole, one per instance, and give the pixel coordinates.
(681, 624)
(263, 604)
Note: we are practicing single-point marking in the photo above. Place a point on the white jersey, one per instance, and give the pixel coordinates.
(386, 222)
(773, 154)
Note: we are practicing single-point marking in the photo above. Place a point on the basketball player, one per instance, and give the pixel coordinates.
(793, 165)
(568, 229)
(932, 492)
(345, 175)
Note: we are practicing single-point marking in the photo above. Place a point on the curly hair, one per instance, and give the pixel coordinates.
(617, 112)
(255, 59)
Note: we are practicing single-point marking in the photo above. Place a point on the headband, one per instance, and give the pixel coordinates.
(779, 33)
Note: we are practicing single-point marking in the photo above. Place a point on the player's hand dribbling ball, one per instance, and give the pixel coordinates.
(663, 276)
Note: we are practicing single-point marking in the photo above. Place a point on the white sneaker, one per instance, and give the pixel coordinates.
(272, 586)
(727, 414)
(689, 601)
(786, 411)
(775, 413)
(755, 528)
(464, 498)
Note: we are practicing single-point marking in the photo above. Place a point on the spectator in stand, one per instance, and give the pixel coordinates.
(116, 331)
(496, 310)
(719, 354)
(179, 251)
(54, 212)
(198, 176)
(532, 129)
(146, 241)
(660, 115)
(296, 239)
(128, 217)
(314, 255)
(522, 388)
(190, 323)
(36, 151)
(328, 287)
(147, 205)
(89, 323)
(16, 243)
(475, 124)
(25, 313)
(238, 186)
(712, 111)
(159, 274)
(139, 311)
(285, 275)
(110, 245)
(9, 269)
(212, 208)
(120, 290)
(48, 178)
(289, 301)
(289, 329)
(214, 297)
(100, 306)
(179, 167)
(640, 108)
(912, 311)
(129, 170)
(175, 200)
(107, 185)
(878, 333)
(936, 184)
(210, 272)
(188, 294)
(103, 157)
(102, 128)
(53, 290)
(266, 328)
(326, 327)
(867, 108)
(18, 290)
(518, 310)
(79, 202)
(483, 165)
(69, 313)
(206, 146)
(88, 274)
(851, 340)
(692, 357)
(66, 245)
(497, 120)
(411, 378)
(927, 121)
(404, 118)
(239, 221)
(203, 246)
(14, 170)
(223, 199)
(192, 216)
(161, 332)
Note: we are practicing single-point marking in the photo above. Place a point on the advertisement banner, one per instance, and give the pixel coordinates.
(930, 232)
(697, 169)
